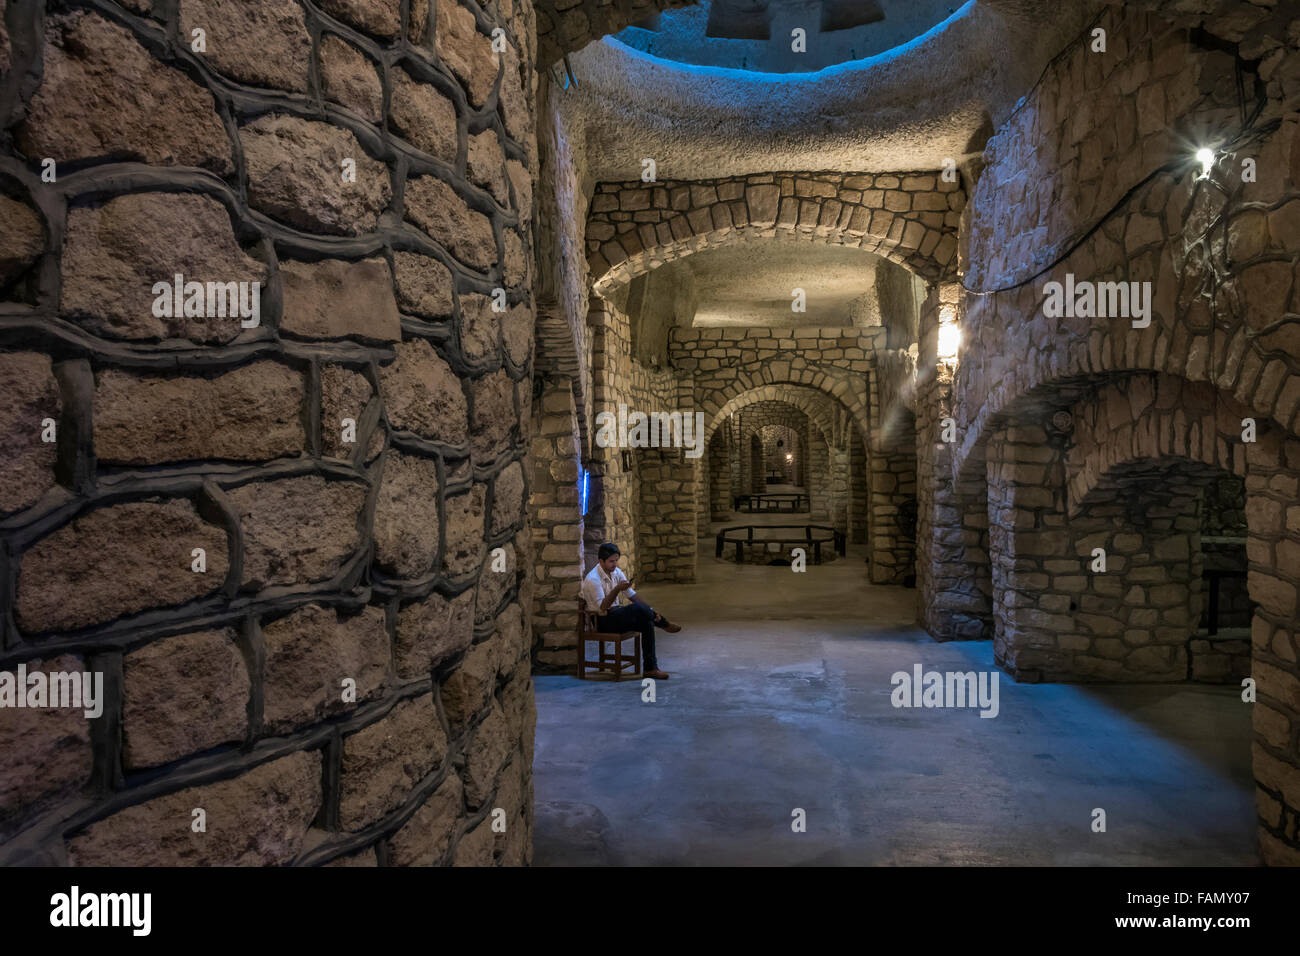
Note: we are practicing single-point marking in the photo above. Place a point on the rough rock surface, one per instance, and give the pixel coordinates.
(114, 254)
(183, 694)
(466, 51)
(508, 498)
(493, 413)
(22, 238)
(249, 414)
(406, 516)
(479, 327)
(423, 395)
(29, 394)
(466, 692)
(350, 79)
(424, 284)
(475, 847)
(382, 762)
(336, 299)
(424, 117)
(280, 58)
(44, 751)
(464, 531)
(484, 164)
(485, 753)
(102, 95)
(424, 838)
(295, 175)
(309, 653)
(257, 819)
(344, 394)
(380, 17)
(433, 206)
(432, 630)
(117, 560)
(297, 530)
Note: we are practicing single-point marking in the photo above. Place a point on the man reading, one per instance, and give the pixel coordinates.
(607, 591)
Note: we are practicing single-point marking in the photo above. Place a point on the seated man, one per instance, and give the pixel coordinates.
(604, 591)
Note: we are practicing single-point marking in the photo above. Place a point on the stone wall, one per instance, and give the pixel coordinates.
(726, 365)
(618, 379)
(910, 218)
(555, 508)
(893, 508)
(348, 463)
(1093, 178)
(566, 26)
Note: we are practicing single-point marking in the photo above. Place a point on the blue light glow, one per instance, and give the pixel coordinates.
(720, 72)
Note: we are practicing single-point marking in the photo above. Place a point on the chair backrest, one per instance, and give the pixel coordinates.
(586, 618)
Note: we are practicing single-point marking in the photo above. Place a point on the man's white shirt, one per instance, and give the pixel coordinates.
(597, 584)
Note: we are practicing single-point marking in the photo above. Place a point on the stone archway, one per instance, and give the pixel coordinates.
(1143, 452)
(909, 217)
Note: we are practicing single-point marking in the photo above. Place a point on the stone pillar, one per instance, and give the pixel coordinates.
(859, 493)
(893, 508)
(819, 483)
(720, 500)
(839, 496)
(1273, 547)
(666, 539)
(952, 549)
(557, 524)
(757, 465)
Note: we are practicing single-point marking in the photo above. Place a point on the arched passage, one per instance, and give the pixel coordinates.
(908, 217)
(1143, 456)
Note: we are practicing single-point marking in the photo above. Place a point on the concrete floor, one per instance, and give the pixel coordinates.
(780, 698)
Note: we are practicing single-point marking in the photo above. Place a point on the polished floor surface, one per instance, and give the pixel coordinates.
(780, 700)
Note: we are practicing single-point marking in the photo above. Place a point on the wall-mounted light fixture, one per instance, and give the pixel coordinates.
(1205, 156)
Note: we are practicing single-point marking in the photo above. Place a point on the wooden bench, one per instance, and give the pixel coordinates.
(612, 664)
(812, 537)
(772, 501)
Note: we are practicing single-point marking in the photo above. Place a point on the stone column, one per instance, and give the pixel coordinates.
(819, 484)
(666, 531)
(557, 525)
(720, 500)
(893, 508)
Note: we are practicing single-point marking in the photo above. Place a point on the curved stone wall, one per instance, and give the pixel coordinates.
(292, 540)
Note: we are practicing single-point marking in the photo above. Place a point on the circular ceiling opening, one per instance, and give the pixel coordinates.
(784, 36)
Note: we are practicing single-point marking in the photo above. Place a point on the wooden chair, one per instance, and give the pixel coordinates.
(612, 664)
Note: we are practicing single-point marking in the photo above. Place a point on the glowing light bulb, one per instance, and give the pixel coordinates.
(1205, 157)
(949, 341)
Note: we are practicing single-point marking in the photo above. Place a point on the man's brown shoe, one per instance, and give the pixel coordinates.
(667, 625)
(657, 675)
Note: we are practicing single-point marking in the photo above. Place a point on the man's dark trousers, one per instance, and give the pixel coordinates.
(632, 617)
